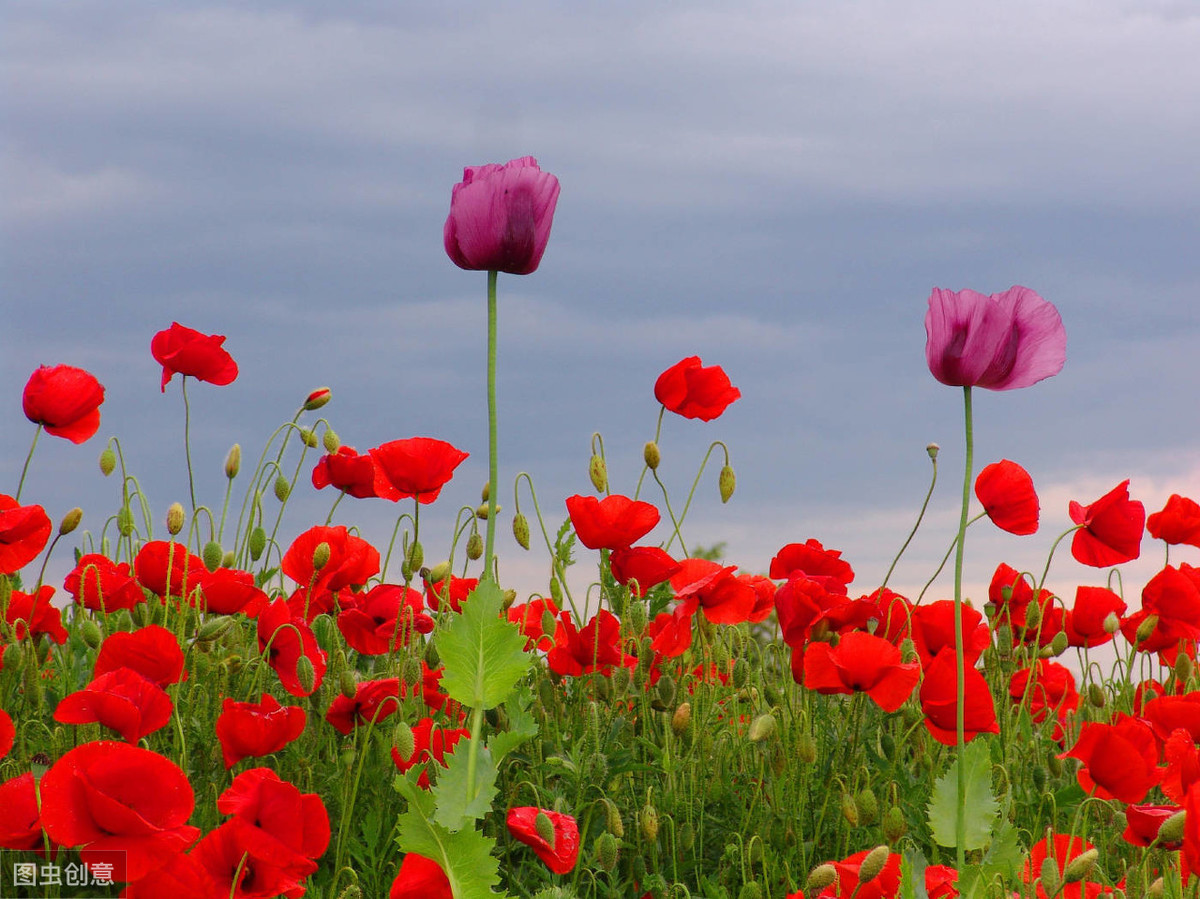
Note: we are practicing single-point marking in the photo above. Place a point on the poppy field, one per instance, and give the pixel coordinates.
(202, 709)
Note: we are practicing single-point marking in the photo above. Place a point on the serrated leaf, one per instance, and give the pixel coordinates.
(981, 805)
(455, 807)
(466, 857)
(484, 653)
(521, 725)
(912, 874)
(1005, 855)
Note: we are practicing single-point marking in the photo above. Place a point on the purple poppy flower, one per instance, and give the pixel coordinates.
(1007, 340)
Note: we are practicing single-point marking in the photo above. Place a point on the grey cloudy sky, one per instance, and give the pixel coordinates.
(774, 186)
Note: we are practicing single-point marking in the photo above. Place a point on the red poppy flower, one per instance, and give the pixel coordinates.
(99, 584)
(1112, 529)
(8, 733)
(257, 728)
(279, 824)
(114, 796)
(861, 663)
(285, 639)
(1172, 596)
(1142, 823)
(121, 699)
(24, 531)
(894, 615)
(1006, 492)
(182, 877)
(416, 467)
(1183, 765)
(183, 351)
(1177, 523)
(764, 596)
(368, 620)
(420, 878)
(1120, 760)
(20, 825)
(562, 853)
(932, 630)
(595, 648)
(615, 522)
(228, 857)
(1047, 688)
(825, 566)
(160, 565)
(32, 615)
(373, 701)
(798, 603)
(432, 743)
(1166, 714)
(228, 591)
(689, 389)
(939, 701)
(347, 471)
(1191, 827)
(1010, 595)
(885, 885)
(65, 401)
(528, 617)
(713, 588)
(151, 651)
(454, 593)
(500, 217)
(641, 567)
(1063, 849)
(352, 560)
(670, 633)
(1085, 621)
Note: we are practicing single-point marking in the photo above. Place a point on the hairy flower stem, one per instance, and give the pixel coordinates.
(187, 442)
(493, 466)
(920, 517)
(960, 816)
(28, 459)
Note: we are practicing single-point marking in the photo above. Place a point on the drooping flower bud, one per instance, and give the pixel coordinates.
(212, 555)
(849, 809)
(346, 684)
(306, 674)
(229, 559)
(233, 461)
(598, 472)
(282, 488)
(764, 727)
(612, 819)
(1146, 629)
(545, 829)
(1051, 880)
(521, 530)
(321, 555)
(806, 749)
(175, 518)
(416, 556)
(258, 542)
(432, 658)
(1184, 667)
(651, 455)
(438, 572)
(330, 441)
(475, 547)
(1172, 829)
(682, 719)
(894, 825)
(404, 740)
(308, 438)
(726, 482)
(820, 877)
(648, 820)
(70, 521)
(317, 399)
(868, 806)
(873, 864)
(486, 493)
(607, 851)
(1112, 623)
(90, 631)
(1080, 866)
(108, 461)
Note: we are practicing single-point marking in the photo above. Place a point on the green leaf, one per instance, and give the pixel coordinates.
(521, 725)
(484, 654)
(980, 804)
(912, 874)
(454, 807)
(1005, 855)
(466, 857)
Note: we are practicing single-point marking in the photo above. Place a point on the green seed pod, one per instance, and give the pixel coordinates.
(932, 450)
(320, 556)
(726, 483)
(820, 877)
(71, 521)
(347, 684)
(306, 674)
(212, 555)
(521, 530)
(475, 547)
(648, 820)
(330, 440)
(894, 825)
(682, 718)
(415, 557)
(1080, 866)
(849, 810)
(233, 461)
(598, 472)
(606, 851)
(1051, 880)
(868, 806)
(175, 518)
(545, 829)
(282, 488)
(308, 438)
(873, 864)
(612, 819)
(258, 542)
(651, 455)
(90, 631)
(764, 727)
(108, 461)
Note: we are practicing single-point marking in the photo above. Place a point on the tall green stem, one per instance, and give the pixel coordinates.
(493, 466)
(187, 442)
(960, 817)
(28, 459)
